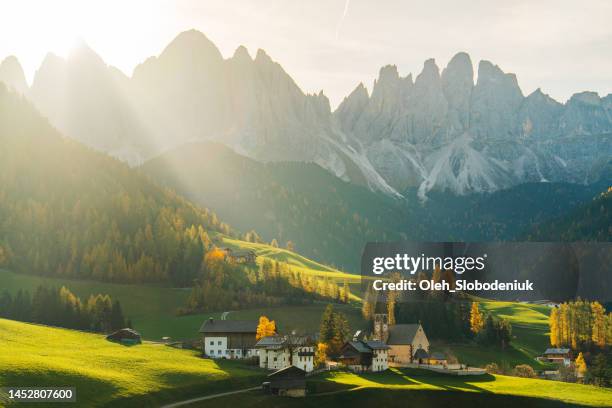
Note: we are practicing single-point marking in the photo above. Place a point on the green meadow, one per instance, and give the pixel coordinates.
(152, 308)
(105, 372)
(529, 331)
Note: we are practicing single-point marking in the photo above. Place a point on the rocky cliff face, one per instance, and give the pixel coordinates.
(11, 74)
(445, 132)
(438, 131)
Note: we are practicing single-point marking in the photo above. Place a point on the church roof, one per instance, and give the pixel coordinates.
(402, 333)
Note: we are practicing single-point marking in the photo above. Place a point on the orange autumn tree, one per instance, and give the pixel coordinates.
(476, 319)
(214, 255)
(266, 327)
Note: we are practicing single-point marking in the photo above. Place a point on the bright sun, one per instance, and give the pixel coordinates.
(30, 29)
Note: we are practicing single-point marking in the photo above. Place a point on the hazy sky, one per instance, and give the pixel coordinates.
(561, 46)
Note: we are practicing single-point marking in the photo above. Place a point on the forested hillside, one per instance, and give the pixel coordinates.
(502, 215)
(68, 211)
(591, 221)
(326, 218)
(331, 220)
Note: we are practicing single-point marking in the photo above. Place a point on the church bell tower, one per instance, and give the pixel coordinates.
(381, 327)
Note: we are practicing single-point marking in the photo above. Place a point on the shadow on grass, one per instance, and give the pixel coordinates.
(388, 377)
(182, 387)
(387, 398)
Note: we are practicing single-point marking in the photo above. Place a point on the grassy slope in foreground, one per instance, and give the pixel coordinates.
(101, 371)
(420, 388)
(498, 384)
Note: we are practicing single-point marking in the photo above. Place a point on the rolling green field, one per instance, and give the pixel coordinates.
(293, 259)
(101, 371)
(152, 308)
(109, 374)
(530, 337)
(421, 388)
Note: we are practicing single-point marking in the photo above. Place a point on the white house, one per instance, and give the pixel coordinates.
(278, 352)
(231, 339)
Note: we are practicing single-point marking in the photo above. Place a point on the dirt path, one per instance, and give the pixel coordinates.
(208, 397)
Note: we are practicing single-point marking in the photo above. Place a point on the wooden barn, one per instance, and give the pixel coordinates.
(287, 382)
(240, 256)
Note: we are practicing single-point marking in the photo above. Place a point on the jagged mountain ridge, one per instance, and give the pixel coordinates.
(444, 131)
(440, 131)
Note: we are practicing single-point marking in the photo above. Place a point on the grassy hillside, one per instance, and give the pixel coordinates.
(152, 307)
(529, 331)
(420, 388)
(295, 260)
(102, 371)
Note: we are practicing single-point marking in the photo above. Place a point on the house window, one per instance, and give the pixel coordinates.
(274, 358)
(219, 343)
(212, 343)
(219, 352)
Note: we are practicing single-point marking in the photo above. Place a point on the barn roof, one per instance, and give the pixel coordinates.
(360, 346)
(376, 345)
(402, 333)
(229, 326)
(291, 371)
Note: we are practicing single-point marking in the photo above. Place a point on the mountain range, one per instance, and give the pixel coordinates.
(441, 131)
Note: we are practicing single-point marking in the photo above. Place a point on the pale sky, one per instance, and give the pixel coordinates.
(561, 46)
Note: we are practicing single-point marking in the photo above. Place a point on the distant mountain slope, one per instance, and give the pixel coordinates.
(328, 219)
(591, 221)
(68, 211)
(331, 220)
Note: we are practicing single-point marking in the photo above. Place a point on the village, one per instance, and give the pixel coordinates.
(292, 357)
